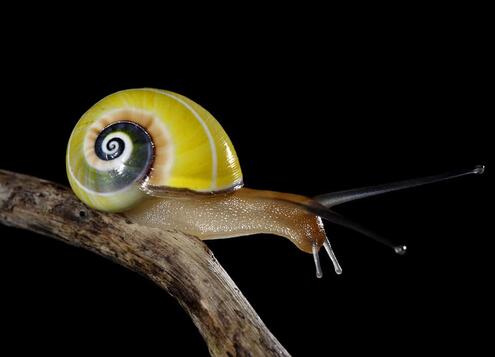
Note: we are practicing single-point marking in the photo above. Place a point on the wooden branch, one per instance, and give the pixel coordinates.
(179, 263)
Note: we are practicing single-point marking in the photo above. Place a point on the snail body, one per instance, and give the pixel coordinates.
(238, 213)
(164, 161)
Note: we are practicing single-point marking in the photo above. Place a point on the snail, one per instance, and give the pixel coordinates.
(165, 162)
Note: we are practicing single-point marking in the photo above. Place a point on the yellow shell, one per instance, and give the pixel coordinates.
(139, 140)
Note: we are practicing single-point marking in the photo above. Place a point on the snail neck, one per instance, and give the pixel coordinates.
(241, 212)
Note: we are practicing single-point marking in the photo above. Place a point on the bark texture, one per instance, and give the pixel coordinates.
(179, 263)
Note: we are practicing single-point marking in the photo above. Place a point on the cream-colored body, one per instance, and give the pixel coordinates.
(239, 213)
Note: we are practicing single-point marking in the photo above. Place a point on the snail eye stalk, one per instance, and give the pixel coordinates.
(345, 222)
(336, 198)
(321, 206)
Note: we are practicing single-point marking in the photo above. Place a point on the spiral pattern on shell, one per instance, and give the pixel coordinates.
(139, 141)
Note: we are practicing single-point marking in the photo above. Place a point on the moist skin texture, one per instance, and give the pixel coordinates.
(242, 212)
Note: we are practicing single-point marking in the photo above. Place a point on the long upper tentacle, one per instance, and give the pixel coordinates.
(336, 198)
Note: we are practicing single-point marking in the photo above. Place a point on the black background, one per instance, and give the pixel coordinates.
(307, 115)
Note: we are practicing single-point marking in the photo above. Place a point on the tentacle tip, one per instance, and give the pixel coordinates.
(338, 271)
(479, 169)
(400, 249)
(319, 275)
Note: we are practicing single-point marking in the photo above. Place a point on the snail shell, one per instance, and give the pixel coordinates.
(140, 141)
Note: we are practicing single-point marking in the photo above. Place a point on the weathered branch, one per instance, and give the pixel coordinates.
(179, 263)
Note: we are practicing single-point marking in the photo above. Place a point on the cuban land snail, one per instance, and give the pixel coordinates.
(164, 161)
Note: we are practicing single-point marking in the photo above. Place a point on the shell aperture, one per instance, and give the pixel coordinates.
(135, 140)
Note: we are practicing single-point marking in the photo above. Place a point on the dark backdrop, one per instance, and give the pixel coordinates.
(306, 116)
